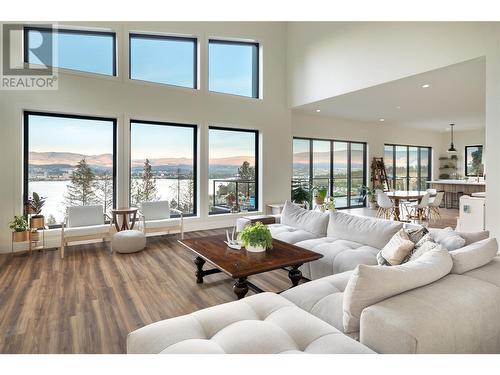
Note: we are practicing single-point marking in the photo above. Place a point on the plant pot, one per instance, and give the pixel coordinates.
(37, 222)
(29, 210)
(372, 205)
(20, 236)
(35, 236)
(319, 200)
(255, 249)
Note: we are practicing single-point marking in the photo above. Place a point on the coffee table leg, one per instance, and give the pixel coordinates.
(199, 269)
(240, 287)
(295, 275)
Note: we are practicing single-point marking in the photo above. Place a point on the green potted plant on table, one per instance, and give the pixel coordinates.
(256, 237)
(19, 226)
(320, 194)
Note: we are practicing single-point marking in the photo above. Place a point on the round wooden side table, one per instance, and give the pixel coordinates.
(125, 214)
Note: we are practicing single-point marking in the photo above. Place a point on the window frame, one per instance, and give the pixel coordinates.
(26, 115)
(28, 28)
(257, 161)
(466, 160)
(195, 159)
(419, 167)
(255, 81)
(164, 37)
(331, 179)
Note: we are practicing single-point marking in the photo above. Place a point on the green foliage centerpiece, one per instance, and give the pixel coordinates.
(256, 237)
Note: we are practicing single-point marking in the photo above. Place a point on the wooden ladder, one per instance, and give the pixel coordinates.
(379, 175)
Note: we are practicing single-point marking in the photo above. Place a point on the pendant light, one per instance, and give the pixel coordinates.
(452, 149)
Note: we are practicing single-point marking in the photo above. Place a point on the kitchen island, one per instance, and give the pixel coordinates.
(453, 189)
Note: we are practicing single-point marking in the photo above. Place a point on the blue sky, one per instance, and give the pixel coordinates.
(88, 137)
(89, 53)
(224, 143)
(159, 141)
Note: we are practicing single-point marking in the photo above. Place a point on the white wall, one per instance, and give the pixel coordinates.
(375, 134)
(326, 59)
(124, 99)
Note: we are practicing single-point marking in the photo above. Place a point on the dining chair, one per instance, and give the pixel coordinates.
(385, 205)
(434, 210)
(420, 209)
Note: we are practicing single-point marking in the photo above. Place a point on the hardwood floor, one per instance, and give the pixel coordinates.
(89, 301)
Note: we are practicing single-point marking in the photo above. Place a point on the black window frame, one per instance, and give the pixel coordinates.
(256, 67)
(466, 161)
(195, 159)
(27, 29)
(419, 168)
(257, 160)
(194, 40)
(26, 115)
(331, 178)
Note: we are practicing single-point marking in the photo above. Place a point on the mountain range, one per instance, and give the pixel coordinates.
(106, 160)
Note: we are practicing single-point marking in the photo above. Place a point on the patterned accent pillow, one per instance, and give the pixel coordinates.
(414, 235)
(425, 244)
(398, 248)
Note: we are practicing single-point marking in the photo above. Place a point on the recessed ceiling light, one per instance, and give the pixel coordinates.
(398, 107)
(425, 86)
(382, 119)
(318, 110)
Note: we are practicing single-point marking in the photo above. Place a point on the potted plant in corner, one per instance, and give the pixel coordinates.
(300, 193)
(34, 207)
(256, 237)
(19, 227)
(320, 194)
(371, 197)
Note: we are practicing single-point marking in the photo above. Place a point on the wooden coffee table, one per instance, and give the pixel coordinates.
(239, 264)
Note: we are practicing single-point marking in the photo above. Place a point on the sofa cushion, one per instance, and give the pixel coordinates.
(162, 223)
(314, 222)
(474, 255)
(455, 314)
(448, 238)
(322, 298)
(371, 284)
(264, 323)
(366, 230)
(289, 234)
(338, 256)
(89, 230)
(469, 237)
(489, 272)
(398, 248)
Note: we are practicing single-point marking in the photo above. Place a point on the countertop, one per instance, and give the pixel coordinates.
(458, 182)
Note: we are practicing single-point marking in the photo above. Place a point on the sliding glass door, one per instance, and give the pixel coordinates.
(338, 166)
(407, 167)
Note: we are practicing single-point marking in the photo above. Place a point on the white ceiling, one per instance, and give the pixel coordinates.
(456, 94)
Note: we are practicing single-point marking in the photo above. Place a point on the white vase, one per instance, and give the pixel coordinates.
(255, 249)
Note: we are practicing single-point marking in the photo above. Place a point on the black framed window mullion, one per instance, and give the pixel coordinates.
(331, 168)
(311, 170)
(349, 170)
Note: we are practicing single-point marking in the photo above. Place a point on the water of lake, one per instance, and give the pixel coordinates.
(56, 190)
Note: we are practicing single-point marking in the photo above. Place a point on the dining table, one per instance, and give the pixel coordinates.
(404, 195)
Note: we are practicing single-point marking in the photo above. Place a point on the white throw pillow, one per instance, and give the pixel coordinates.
(474, 255)
(314, 222)
(365, 230)
(398, 248)
(369, 285)
(448, 238)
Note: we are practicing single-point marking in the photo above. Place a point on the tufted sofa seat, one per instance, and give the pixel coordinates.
(289, 234)
(264, 323)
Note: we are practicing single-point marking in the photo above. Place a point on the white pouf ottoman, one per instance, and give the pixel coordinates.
(128, 241)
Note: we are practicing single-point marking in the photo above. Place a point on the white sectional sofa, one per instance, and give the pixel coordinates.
(441, 302)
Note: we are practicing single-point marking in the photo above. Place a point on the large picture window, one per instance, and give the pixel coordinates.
(233, 67)
(69, 160)
(163, 164)
(339, 166)
(407, 167)
(163, 59)
(233, 170)
(81, 50)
